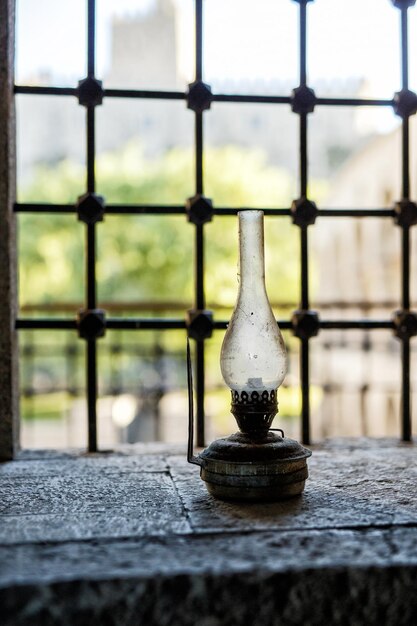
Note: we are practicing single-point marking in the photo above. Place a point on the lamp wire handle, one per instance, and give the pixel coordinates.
(278, 430)
(191, 458)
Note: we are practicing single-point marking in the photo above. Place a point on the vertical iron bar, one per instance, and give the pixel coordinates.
(406, 391)
(305, 386)
(303, 43)
(71, 366)
(190, 446)
(199, 40)
(304, 344)
(303, 154)
(199, 274)
(91, 242)
(404, 48)
(304, 268)
(92, 394)
(91, 273)
(405, 268)
(405, 353)
(405, 242)
(91, 38)
(405, 159)
(91, 149)
(200, 388)
(199, 233)
(199, 148)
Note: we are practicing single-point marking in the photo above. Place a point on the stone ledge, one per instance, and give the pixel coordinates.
(134, 538)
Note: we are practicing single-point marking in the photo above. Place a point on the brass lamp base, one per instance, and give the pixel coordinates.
(241, 468)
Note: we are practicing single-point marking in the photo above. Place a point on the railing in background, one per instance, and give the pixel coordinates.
(92, 322)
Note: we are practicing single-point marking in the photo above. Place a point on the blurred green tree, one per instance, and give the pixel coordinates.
(151, 257)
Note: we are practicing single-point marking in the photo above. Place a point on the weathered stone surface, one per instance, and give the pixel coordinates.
(61, 508)
(134, 522)
(346, 488)
(122, 539)
(226, 553)
(328, 577)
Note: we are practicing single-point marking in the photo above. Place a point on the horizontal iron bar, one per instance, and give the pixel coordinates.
(140, 209)
(145, 323)
(356, 324)
(46, 324)
(248, 98)
(180, 95)
(145, 93)
(111, 209)
(370, 102)
(171, 324)
(356, 213)
(111, 323)
(235, 211)
(46, 91)
(178, 209)
(38, 207)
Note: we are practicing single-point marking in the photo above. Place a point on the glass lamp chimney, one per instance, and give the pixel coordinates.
(253, 357)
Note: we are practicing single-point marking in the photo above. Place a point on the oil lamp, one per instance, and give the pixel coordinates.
(255, 463)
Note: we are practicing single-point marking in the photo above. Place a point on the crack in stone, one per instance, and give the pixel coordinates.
(186, 510)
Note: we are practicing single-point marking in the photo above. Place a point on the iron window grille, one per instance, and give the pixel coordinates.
(92, 322)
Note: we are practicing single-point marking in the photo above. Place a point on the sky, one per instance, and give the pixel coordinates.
(243, 40)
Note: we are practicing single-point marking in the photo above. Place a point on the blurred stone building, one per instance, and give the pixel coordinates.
(358, 262)
(144, 55)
